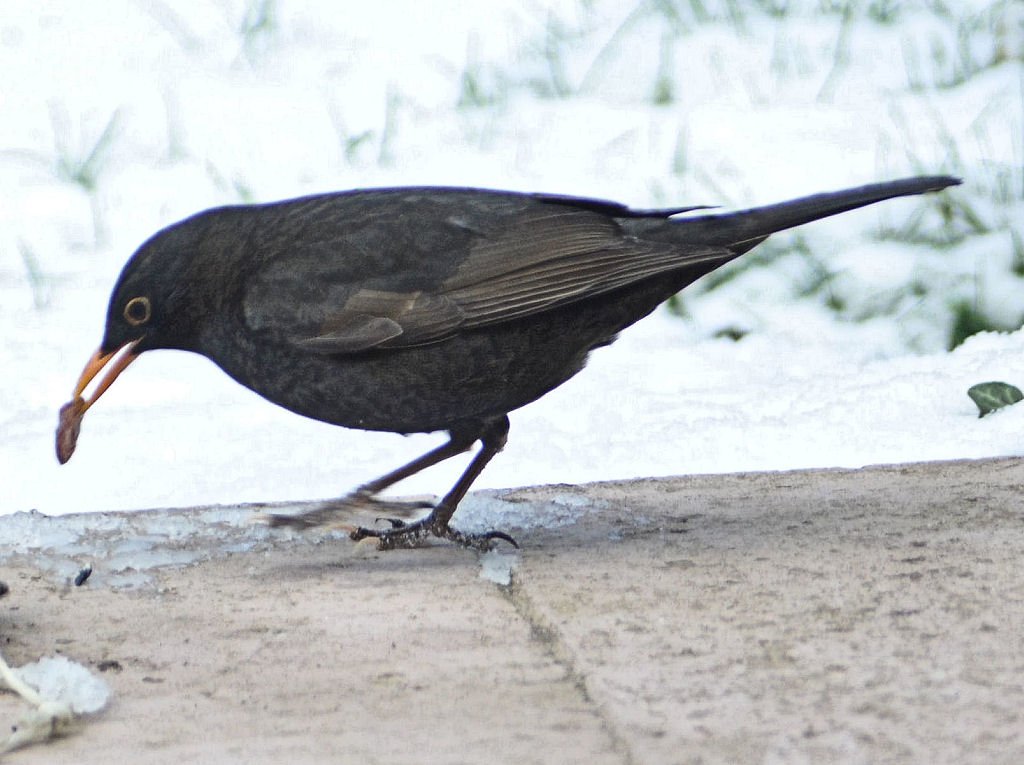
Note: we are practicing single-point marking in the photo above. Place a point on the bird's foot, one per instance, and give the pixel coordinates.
(341, 513)
(404, 535)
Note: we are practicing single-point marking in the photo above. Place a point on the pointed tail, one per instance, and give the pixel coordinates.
(746, 228)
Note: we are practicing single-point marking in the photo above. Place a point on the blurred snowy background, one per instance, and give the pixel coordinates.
(827, 346)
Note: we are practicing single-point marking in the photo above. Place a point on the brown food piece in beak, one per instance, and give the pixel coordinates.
(70, 418)
(67, 430)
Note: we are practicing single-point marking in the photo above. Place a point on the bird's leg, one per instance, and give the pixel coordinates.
(363, 498)
(457, 444)
(436, 523)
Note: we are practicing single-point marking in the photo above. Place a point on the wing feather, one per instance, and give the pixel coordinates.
(490, 259)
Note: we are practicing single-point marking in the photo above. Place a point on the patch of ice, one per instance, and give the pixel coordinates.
(154, 557)
(27, 531)
(121, 545)
(489, 510)
(496, 566)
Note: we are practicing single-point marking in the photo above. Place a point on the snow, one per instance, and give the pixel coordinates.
(58, 679)
(202, 114)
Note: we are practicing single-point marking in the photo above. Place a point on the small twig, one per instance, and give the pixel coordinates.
(16, 684)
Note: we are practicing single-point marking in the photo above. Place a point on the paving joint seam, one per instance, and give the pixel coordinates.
(544, 632)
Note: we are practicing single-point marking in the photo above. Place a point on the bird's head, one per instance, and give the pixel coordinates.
(158, 302)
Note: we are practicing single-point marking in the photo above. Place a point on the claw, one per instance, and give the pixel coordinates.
(503, 537)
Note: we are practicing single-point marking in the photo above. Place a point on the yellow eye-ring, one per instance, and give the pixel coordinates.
(137, 311)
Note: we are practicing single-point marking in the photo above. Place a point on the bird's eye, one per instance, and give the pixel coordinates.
(137, 311)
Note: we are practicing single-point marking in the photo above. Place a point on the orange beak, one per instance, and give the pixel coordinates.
(122, 357)
(111, 364)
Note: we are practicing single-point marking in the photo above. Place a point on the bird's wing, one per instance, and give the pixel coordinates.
(468, 270)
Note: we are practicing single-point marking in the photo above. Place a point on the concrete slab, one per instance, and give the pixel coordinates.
(843, 616)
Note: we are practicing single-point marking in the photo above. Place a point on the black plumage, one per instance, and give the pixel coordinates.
(420, 309)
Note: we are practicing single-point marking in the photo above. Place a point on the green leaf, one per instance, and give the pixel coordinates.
(990, 396)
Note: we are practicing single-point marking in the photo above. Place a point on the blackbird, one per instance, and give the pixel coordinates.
(419, 309)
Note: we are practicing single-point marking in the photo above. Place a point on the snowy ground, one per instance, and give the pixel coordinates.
(189, 105)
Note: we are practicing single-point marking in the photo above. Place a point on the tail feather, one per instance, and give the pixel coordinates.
(748, 227)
